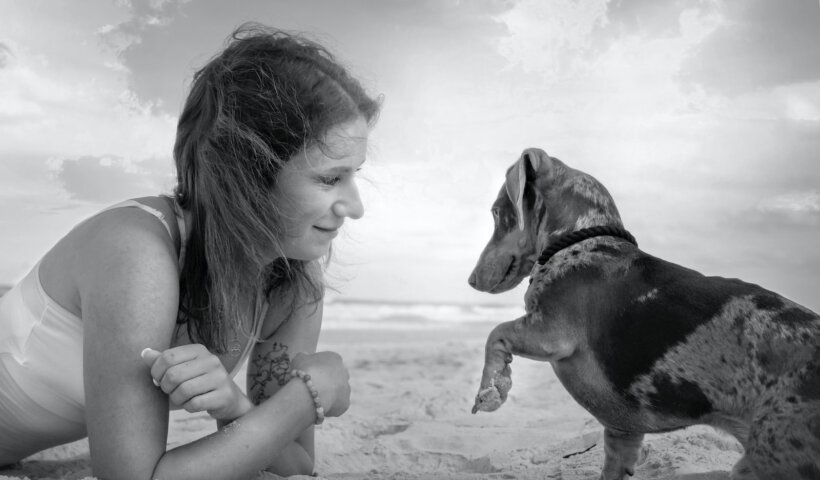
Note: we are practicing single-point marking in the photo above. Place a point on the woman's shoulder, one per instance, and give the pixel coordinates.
(129, 225)
(136, 230)
(115, 241)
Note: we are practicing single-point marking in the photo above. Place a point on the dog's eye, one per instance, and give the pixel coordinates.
(495, 214)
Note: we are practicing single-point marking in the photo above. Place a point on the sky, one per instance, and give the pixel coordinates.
(701, 117)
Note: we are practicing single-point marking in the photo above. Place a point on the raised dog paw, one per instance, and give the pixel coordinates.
(491, 397)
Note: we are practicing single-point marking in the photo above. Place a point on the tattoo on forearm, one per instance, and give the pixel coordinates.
(271, 365)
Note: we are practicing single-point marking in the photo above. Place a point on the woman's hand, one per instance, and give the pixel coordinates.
(329, 376)
(195, 380)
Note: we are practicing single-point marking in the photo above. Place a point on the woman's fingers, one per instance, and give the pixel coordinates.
(226, 402)
(174, 356)
(213, 402)
(193, 387)
(195, 379)
(149, 356)
(189, 374)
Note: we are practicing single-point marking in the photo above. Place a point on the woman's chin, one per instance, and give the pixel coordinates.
(309, 254)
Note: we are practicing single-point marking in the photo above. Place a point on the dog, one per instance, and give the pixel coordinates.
(645, 345)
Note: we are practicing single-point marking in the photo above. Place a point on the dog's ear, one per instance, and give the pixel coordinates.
(531, 161)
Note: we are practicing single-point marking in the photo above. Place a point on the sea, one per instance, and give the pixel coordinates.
(353, 314)
(362, 314)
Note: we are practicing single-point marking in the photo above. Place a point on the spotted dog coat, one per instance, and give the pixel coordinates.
(645, 345)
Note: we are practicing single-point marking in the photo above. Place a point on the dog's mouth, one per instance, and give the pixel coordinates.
(511, 270)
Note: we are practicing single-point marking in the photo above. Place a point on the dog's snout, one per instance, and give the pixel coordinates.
(472, 280)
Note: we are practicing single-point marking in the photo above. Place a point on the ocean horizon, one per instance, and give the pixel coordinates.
(341, 313)
(364, 313)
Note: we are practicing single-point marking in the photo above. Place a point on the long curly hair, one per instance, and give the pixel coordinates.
(265, 97)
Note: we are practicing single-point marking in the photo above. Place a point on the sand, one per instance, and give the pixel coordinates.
(410, 419)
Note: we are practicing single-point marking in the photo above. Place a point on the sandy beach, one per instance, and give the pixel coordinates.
(410, 419)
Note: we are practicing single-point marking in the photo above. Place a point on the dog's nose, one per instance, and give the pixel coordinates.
(472, 280)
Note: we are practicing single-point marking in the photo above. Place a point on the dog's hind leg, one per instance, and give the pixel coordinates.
(743, 471)
(621, 450)
(784, 444)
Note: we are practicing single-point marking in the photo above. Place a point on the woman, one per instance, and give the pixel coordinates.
(130, 314)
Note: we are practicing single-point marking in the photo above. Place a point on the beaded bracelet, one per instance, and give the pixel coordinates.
(320, 411)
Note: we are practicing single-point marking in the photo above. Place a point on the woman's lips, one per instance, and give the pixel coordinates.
(332, 232)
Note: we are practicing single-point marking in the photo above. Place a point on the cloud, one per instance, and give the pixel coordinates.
(796, 211)
(562, 39)
(163, 43)
(151, 50)
(760, 44)
(6, 55)
(69, 101)
(741, 46)
(546, 37)
(760, 157)
(798, 202)
(643, 17)
(109, 178)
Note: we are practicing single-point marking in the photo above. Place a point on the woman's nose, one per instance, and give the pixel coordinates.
(350, 205)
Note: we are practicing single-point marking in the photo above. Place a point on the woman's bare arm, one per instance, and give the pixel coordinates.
(268, 364)
(128, 282)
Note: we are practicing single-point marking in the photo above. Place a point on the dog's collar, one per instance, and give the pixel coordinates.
(572, 238)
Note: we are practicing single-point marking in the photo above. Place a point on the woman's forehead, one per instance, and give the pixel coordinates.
(350, 134)
(343, 146)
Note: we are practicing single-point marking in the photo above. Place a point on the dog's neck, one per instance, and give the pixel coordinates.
(570, 239)
(573, 202)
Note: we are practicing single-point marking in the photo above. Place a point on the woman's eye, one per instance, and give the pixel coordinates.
(330, 181)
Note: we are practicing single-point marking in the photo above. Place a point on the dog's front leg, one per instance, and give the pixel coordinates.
(528, 336)
(495, 379)
(621, 450)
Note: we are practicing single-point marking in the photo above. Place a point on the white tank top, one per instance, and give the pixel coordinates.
(45, 340)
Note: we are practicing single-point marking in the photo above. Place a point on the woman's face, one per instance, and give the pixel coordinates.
(318, 190)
